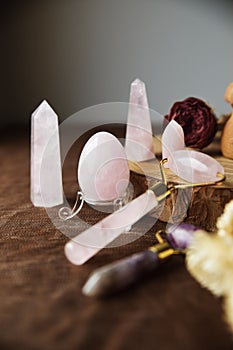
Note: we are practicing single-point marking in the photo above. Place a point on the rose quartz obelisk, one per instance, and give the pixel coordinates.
(139, 139)
(45, 147)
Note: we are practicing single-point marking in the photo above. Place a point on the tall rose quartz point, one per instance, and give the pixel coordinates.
(46, 178)
(139, 139)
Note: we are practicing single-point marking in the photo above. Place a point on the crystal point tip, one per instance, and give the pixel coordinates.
(139, 139)
(92, 287)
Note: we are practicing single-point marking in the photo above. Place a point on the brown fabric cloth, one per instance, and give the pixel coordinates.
(41, 304)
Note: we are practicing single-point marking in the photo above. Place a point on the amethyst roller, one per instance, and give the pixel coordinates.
(121, 274)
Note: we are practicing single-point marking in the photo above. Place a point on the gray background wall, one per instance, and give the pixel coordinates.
(84, 52)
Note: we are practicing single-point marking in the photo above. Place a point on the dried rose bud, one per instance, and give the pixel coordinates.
(197, 120)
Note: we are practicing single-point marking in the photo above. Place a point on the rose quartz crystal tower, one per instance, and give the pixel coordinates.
(46, 178)
(139, 140)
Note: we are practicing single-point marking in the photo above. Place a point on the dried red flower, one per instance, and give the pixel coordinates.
(197, 120)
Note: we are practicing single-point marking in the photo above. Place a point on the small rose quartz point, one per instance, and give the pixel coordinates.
(139, 139)
(192, 166)
(103, 171)
(45, 160)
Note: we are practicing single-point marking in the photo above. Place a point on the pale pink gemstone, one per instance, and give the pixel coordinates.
(103, 172)
(195, 167)
(90, 242)
(46, 175)
(139, 139)
(192, 166)
(172, 140)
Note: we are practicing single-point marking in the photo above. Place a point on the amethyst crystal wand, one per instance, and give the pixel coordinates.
(122, 274)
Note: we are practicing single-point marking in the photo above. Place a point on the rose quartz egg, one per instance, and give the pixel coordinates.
(103, 172)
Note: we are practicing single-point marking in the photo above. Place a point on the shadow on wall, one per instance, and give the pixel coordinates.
(79, 53)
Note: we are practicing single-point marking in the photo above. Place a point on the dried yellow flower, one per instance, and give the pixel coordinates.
(210, 260)
(228, 309)
(225, 221)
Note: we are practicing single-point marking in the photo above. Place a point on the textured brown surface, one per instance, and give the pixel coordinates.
(41, 305)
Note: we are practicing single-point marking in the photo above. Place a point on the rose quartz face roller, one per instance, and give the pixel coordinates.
(84, 246)
(192, 167)
(103, 174)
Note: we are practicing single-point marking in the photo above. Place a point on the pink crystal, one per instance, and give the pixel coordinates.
(196, 167)
(46, 178)
(139, 140)
(103, 172)
(172, 140)
(90, 242)
(192, 166)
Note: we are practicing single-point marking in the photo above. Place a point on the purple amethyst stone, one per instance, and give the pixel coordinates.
(180, 236)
